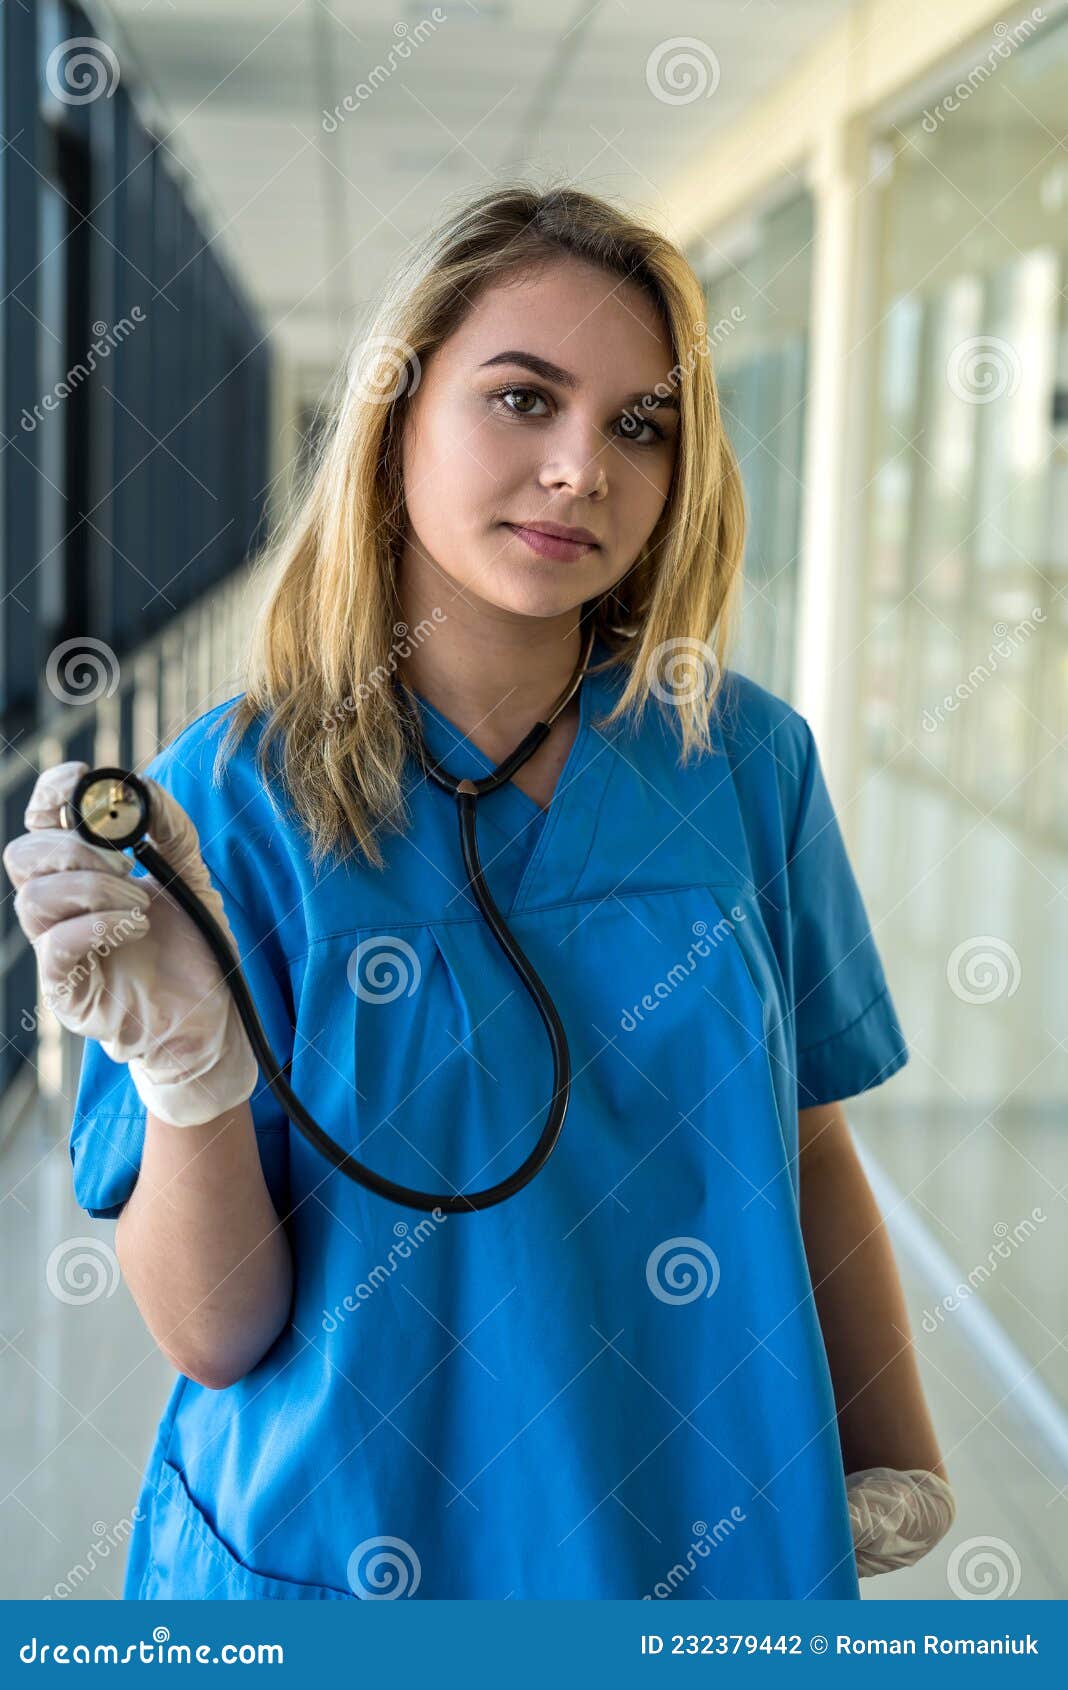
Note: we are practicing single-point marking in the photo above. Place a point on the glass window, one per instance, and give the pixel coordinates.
(758, 311)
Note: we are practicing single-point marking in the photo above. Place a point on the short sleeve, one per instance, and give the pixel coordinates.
(847, 1031)
(108, 1124)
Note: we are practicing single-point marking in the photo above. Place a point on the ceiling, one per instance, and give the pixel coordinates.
(313, 214)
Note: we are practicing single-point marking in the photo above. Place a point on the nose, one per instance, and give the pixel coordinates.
(576, 462)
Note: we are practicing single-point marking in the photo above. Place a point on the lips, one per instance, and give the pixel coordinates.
(558, 531)
(552, 540)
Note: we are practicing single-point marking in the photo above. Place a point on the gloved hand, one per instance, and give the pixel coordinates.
(897, 1516)
(121, 962)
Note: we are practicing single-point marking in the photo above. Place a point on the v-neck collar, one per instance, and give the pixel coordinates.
(449, 745)
(560, 836)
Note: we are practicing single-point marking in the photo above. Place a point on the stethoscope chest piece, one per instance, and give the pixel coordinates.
(108, 807)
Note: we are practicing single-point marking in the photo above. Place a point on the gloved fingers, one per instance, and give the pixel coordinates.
(174, 835)
(53, 786)
(69, 954)
(897, 1516)
(55, 850)
(42, 900)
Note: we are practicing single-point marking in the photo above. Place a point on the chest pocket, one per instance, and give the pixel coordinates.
(421, 1050)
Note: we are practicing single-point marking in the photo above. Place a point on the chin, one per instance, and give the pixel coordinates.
(541, 598)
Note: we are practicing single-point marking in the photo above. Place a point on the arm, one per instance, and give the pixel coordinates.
(882, 1414)
(202, 1249)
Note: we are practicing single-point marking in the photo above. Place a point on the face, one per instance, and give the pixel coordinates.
(493, 442)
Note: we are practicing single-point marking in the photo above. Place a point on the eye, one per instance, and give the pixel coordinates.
(632, 424)
(526, 392)
(629, 421)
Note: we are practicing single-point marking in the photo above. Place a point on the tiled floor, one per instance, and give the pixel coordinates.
(83, 1388)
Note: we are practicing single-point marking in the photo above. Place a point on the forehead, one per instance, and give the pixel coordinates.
(601, 327)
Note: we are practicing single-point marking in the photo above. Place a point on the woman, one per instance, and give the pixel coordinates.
(613, 1384)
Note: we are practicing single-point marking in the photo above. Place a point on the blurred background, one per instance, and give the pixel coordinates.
(198, 199)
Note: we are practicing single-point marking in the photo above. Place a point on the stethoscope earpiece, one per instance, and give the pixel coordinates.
(108, 807)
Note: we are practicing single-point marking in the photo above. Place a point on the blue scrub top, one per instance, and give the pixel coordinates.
(613, 1384)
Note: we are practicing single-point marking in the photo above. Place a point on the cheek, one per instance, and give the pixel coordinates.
(644, 488)
(456, 469)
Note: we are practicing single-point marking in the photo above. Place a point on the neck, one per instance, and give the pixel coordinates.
(484, 667)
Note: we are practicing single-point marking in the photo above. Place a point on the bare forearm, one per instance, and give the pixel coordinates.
(202, 1249)
(883, 1419)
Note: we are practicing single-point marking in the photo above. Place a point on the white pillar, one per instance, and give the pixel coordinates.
(839, 384)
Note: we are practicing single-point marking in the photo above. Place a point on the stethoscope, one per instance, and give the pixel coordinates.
(112, 807)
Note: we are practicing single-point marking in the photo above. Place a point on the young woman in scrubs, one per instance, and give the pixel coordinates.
(677, 1363)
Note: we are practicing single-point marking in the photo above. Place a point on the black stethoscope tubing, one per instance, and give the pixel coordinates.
(467, 793)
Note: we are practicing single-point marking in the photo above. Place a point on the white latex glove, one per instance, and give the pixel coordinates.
(119, 961)
(897, 1516)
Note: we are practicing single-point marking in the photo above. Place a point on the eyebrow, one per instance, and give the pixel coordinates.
(564, 378)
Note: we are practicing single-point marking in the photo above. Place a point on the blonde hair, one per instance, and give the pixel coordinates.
(325, 645)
